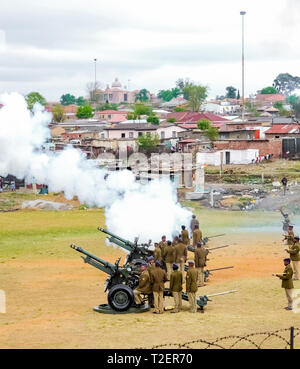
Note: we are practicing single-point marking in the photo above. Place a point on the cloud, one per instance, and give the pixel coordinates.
(51, 45)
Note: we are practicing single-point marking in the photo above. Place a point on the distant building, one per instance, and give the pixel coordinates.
(116, 94)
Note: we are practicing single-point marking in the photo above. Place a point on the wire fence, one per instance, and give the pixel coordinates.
(288, 338)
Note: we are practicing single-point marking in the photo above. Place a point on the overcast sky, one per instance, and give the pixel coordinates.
(49, 46)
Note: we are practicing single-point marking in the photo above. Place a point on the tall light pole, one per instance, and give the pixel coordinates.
(243, 13)
(95, 61)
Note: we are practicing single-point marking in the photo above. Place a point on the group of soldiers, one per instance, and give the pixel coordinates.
(293, 250)
(168, 264)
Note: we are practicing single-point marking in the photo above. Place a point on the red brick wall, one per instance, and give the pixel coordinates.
(264, 146)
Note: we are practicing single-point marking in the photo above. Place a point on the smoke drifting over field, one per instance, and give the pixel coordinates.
(132, 209)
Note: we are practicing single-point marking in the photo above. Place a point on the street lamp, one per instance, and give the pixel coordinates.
(95, 85)
(243, 13)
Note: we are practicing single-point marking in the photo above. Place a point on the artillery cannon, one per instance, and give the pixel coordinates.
(120, 283)
(208, 272)
(201, 300)
(136, 251)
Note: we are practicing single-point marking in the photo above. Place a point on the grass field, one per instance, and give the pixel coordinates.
(51, 292)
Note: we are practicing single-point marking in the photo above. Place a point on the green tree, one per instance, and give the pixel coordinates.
(148, 140)
(141, 109)
(80, 101)
(142, 95)
(85, 112)
(231, 92)
(292, 100)
(212, 133)
(153, 119)
(238, 96)
(196, 96)
(58, 114)
(108, 106)
(165, 95)
(171, 120)
(130, 116)
(204, 124)
(168, 95)
(285, 83)
(68, 99)
(179, 110)
(33, 98)
(269, 90)
(181, 83)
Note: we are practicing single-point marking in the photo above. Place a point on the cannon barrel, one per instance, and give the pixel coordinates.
(95, 261)
(218, 235)
(214, 270)
(192, 249)
(222, 293)
(218, 248)
(201, 300)
(125, 244)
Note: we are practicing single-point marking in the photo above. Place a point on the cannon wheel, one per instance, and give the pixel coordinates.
(120, 297)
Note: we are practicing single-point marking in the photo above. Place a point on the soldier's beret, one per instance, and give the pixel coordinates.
(175, 266)
(199, 244)
(191, 262)
(296, 238)
(157, 263)
(150, 258)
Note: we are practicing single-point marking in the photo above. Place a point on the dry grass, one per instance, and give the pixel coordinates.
(50, 292)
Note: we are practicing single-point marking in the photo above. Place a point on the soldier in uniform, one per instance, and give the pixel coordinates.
(286, 221)
(295, 256)
(197, 236)
(176, 288)
(185, 235)
(144, 286)
(290, 236)
(200, 262)
(169, 257)
(194, 222)
(287, 282)
(158, 279)
(157, 253)
(180, 255)
(175, 241)
(163, 244)
(191, 286)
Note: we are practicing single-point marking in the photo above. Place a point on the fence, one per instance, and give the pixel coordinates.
(281, 339)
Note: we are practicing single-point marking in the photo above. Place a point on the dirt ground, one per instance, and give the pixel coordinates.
(51, 292)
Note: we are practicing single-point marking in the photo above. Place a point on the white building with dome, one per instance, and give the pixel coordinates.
(116, 94)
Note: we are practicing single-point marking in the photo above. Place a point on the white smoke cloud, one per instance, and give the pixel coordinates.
(147, 211)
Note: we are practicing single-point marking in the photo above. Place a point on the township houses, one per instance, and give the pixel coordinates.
(69, 110)
(111, 116)
(134, 130)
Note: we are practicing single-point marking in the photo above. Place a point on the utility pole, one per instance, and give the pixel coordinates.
(95, 85)
(243, 13)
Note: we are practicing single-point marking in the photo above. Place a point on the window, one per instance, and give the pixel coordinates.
(140, 134)
(102, 135)
(125, 97)
(123, 135)
(162, 135)
(109, 116)
(110, 96)
(277, 136)
(174, 134)
(130, 134)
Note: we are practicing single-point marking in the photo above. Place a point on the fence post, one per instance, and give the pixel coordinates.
(292, 339)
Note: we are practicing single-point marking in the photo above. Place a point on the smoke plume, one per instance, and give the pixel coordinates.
(147, 211)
